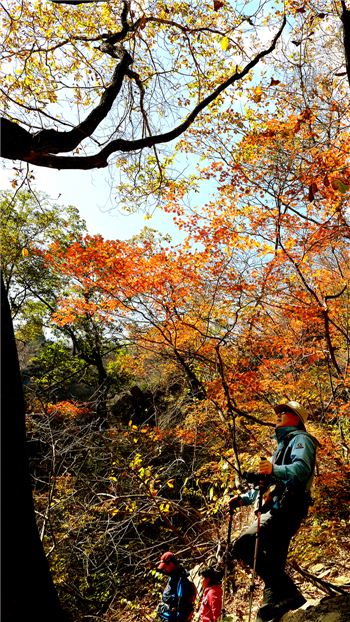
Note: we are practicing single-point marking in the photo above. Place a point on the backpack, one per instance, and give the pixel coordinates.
(192, 592)
(167, 609)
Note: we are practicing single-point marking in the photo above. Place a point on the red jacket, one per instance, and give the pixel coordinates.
(211, 605)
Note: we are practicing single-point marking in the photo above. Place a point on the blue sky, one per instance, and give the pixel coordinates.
(92, 193)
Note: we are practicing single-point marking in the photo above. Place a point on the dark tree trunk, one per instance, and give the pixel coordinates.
(345, 18)
(28, 592)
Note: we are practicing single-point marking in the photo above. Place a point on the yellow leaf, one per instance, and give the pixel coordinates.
(225, 44)
(25, 252)
(257, 94)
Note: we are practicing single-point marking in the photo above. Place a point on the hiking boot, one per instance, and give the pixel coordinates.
(296, 601)
(269, 596)
(267, 612)
(272, 610)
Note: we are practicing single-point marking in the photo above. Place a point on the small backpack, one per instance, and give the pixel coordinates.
(192, 595)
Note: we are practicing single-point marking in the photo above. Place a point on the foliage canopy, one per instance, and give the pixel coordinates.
(185, 347)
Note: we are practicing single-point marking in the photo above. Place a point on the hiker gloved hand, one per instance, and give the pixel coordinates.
(235, 502)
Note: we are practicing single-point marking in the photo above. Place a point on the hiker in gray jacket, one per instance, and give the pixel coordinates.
(291, 470)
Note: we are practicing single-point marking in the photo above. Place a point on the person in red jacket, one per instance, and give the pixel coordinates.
(211, 603)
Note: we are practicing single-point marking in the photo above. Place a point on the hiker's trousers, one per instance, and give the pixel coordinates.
(275, 533)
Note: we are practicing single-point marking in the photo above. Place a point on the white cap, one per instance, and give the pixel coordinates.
(295, 407)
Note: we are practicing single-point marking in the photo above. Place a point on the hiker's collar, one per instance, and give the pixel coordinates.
(281, 433)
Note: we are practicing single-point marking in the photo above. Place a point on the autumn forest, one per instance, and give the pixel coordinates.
(139, 376)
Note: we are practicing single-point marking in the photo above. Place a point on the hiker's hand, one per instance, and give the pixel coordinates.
(265, 467)
(234, 503)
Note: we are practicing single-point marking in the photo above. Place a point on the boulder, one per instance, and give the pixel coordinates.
(329, 609)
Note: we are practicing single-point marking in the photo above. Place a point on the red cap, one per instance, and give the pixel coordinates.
(165, 559)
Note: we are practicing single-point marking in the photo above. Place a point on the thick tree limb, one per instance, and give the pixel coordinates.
(17, 143)
(345, 18)
(77, 1)
(57, 142)
(39, 149)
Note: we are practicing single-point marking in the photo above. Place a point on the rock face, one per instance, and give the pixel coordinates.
(134, 404)
(329, 609)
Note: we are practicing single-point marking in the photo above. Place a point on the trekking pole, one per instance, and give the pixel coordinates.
(229, 532)
(256, 547)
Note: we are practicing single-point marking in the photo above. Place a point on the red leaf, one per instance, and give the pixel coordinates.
(306, 114)
(312, 190)
(218, 5)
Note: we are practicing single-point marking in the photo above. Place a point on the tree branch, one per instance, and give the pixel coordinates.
(56, 142)
(326, 586)
(77, 1)
(39, 149)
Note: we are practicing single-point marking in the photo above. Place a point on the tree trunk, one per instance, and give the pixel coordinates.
(28, 592)
(345, 18)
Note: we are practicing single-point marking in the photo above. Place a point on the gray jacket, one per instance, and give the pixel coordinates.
(293, 463)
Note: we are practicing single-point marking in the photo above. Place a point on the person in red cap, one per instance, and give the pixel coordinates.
(180, 593)
(291, 470)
